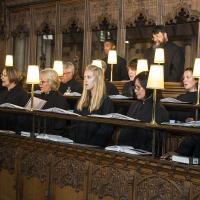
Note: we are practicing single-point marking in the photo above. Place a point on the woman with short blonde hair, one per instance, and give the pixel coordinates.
(93, 101)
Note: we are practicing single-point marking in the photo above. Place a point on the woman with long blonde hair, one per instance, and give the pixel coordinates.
(93, 101)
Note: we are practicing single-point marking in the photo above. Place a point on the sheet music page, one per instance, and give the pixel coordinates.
(10, 105)
(119, 96)
(114, 116)
(37, 103)
(171, 100)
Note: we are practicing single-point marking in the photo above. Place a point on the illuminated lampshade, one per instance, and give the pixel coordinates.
(141, 66)
(97, 63)
(112, 57)
(159, 56)
(196, 70)
(33, 74)
(58, 67)
(9, 61)
(156, 77)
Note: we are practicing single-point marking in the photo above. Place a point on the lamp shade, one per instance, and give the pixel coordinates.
(9, 61)
(97, 63)
(58, 67)
(156, 77)
(196, 70)
(33, 74)
(112, 57)
(159, 56)
(141, 66)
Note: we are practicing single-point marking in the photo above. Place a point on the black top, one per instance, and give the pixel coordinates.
(174, 61)
(111, 88)
(182, 115)
(54, 99)
(94, 133)
(73, 85)
(120, 71)
(139, 137)
(17, 96)
(128, 89)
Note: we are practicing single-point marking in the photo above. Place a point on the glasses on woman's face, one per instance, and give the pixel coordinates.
(43, 82)
(3, 75)
(136, 87)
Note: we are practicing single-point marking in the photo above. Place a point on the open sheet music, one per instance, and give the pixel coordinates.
(127, 149)
(119, 96)
(171, 100)
(37, 104)
(114, 116)
(187, 124)
(59, 110)
(56, 138)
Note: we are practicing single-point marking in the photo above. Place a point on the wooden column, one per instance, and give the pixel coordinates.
(121, 31)
(58, 34)
(32, 56)
(198, 41)
(160, 11)
(87, 40)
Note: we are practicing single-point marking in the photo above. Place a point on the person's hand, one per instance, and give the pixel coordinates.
(168, 155)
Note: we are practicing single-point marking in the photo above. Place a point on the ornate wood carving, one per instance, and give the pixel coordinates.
(7, 157)
(159, 187)
(21, 31)
(195, 192)
(110, 181)
(35, 164)
(70, 172)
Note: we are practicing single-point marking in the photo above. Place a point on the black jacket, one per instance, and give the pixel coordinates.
(182, 115)
(17, 96)
(73, 85)
(54, 99)
(94, 133)
(139, 137)
(128, 89)
(174, 61)
(120, 71)
(111, 88)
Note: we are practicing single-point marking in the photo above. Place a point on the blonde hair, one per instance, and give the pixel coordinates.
(98, 91)
(52, 78)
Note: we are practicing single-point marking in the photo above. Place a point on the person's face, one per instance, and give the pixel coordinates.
(139, 90)
(188, 81)
(89, 79)
(44, 85)
(159, 38)
(5, 80)
(131, 74)
(67, 75)
(107, 47)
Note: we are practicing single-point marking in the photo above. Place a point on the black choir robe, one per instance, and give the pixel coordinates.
(120, 71)
(174, 61)
(54, 99)
(138, 137)
(74, 86)
(128, 89)
(182, 115)
(17, 96)
(94, 133)
(111, 88)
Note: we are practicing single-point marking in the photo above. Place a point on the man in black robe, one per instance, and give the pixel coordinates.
(119, 70)
(174, 56)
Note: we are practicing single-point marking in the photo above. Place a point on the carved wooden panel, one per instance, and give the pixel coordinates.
(35, 163)
(108, 181)
(195, 192)
(70, 172)
(154, 186)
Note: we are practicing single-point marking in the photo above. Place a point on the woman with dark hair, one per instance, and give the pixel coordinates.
(142, 110)
(13, 93)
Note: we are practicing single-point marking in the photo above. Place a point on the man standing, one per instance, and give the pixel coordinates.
(119, 70)
(174, 56)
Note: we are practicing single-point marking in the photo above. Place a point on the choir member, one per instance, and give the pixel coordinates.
(68, 82)
(13, 93)
(119, 70)
(49, 84)
(190, 85)
(128, 87)
(142, 110)
(93, 101)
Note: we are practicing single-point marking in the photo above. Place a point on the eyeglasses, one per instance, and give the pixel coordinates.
(137, 88)
(42, 82)
(3, 75)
